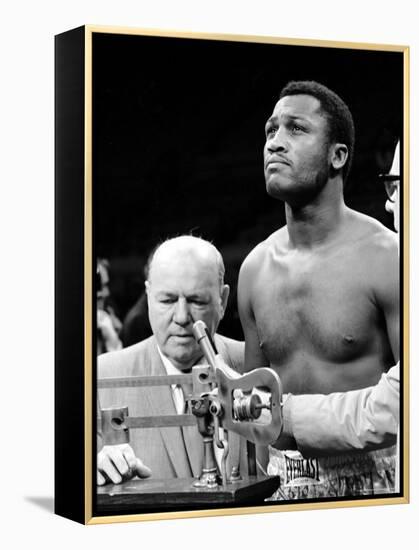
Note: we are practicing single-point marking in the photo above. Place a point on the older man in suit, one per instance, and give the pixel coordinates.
(185, 283)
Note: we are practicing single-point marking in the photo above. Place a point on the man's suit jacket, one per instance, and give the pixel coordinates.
(169, 452)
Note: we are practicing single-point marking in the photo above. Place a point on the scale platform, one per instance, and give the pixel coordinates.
(155, 495)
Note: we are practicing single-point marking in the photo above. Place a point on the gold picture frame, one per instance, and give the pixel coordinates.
(94, 69)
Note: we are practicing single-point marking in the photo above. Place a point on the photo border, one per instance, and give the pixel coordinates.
(89, 395)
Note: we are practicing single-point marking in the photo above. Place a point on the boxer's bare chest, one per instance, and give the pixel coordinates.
(320, 304)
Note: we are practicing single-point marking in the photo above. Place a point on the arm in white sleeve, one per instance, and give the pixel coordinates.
(365, 419)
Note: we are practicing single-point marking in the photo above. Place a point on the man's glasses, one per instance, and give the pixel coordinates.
(391, 184)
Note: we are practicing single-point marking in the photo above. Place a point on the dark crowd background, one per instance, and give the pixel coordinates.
(178, 135)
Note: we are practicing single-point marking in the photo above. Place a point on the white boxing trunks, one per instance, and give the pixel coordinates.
(354, 474)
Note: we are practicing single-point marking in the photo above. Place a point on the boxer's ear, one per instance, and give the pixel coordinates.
(339, 155)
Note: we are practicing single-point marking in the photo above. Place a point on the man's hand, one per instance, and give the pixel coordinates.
(117, 463)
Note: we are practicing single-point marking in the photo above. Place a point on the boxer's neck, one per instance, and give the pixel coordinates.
(317, 222)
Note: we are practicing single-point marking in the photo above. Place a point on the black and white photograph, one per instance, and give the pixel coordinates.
(211, 309)
(247, 315)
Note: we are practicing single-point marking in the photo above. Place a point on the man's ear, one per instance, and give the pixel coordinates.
(147, 288)
(225, 292)
(339, 155)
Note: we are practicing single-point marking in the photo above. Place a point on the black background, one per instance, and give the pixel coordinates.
(178, 135)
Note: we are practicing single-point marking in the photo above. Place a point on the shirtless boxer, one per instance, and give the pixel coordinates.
(318, 299)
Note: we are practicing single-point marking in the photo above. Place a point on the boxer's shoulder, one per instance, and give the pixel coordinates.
(273, 243)
(371, 232)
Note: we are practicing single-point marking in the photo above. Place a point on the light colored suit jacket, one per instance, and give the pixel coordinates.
(365, 419)
(169, 452)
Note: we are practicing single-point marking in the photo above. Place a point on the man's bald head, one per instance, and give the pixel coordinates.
(188, 246)
(185, 283)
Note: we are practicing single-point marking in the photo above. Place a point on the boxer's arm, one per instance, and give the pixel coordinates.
(387, 290)
(365, 419)
(254, 356)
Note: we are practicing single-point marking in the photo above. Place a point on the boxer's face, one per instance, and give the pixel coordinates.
(180, 291)
(297, 152)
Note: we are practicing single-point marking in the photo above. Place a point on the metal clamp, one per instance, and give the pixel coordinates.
(241, 414)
